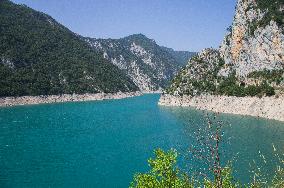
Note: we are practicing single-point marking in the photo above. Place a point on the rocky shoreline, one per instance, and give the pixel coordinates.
(43, 99)
(265, 107)
(152, 92)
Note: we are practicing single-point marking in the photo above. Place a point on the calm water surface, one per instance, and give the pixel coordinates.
(102, 144)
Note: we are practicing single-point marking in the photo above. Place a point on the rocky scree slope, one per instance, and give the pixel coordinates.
(250, 60)
(149, 65)
(39, 56)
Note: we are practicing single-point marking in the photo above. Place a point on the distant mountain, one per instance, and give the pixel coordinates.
(182, 57)
(39, 56)
(149, 65)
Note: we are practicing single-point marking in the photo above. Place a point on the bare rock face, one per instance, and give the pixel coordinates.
(251, 45)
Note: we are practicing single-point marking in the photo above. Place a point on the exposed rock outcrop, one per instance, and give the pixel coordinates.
(252, 45)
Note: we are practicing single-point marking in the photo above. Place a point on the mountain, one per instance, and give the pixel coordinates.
(39, 56)
(182, 57)
(250, 60)
(149, 65)
(200, 75)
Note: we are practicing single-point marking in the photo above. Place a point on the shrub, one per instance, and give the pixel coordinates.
(272, 9)
(163, 173)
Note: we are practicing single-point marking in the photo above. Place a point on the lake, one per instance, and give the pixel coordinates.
(103, 143)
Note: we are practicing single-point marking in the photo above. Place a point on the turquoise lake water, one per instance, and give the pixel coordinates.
(102, 144)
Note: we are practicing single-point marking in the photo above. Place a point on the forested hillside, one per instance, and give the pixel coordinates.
(38, 56)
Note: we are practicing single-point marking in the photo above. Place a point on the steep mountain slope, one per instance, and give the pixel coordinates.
(199, 75)
(250, 60)
(182, 57)
(38, 56)
(149, 65)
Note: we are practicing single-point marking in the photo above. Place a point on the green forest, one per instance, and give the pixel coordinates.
(38, 56)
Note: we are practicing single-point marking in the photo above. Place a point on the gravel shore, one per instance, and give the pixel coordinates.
(266, 107)
(25, 100)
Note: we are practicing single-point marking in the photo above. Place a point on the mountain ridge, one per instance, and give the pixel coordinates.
(149, 65)
(39, 56)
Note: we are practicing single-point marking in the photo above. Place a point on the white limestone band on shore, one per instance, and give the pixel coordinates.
(265, 107)
(43, 99)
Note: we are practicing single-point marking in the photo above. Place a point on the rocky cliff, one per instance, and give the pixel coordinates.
(250, 60)
(149, 65)
(244, 73)
(255, 41)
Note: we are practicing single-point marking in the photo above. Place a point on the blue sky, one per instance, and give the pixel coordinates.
(180, 24)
